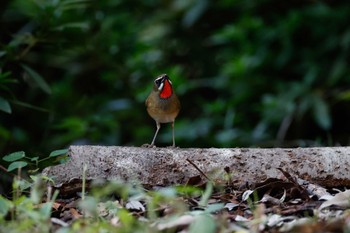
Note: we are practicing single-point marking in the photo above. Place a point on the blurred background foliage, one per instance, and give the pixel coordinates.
(248, 73)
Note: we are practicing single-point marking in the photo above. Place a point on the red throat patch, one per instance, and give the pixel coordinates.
(167, 90)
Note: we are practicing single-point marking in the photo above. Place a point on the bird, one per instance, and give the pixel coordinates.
(162, 104)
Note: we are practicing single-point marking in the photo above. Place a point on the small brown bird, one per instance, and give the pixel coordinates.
(162, 104)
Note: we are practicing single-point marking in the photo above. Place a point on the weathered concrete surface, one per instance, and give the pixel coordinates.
(326, 166)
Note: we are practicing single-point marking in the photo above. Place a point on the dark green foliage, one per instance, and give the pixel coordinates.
(19, 160)
(249, 73)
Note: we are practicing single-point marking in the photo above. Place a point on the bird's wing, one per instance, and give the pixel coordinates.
(147, 102)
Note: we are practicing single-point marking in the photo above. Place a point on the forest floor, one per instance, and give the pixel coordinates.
(283, 204)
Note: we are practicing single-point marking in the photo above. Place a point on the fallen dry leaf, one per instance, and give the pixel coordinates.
(75, 213)
(340, 199)
(135, 205)
(176, 222)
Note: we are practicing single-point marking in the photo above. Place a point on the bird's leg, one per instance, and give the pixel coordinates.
(155, 135)
(172, 126)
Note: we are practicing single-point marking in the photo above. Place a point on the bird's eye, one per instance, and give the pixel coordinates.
(158, 81)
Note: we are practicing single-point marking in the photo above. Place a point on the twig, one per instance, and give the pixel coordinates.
(5, 170)
(84, 182)
(199, 170)
(293, 180)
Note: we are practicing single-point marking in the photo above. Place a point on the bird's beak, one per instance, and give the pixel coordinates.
(165, 77)
(161, 86)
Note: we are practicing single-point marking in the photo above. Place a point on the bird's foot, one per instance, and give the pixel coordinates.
(146, 145)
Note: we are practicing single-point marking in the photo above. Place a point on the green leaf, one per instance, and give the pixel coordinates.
(5, 77)
(195, 12)
(214, 207)
(26, 105)
(89, 206)
(206, 195)
(5, 105)
(45, 210)
(38, 79)
(56, 153)
(74, 4)
(33, 171)
(37, 189)
(16, 165)
(82, 26)
(125, 217)
(168, 192)
(5, 206)
(34, 158)
(2, 53)
(14, 156)
(345, 95)
(188, 190)
(24, 184)
(48, 179)
(203, 223)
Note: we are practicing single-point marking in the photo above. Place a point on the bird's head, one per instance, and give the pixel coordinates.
(163, 86)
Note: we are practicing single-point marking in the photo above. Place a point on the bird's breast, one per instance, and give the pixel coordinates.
(163, 110)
